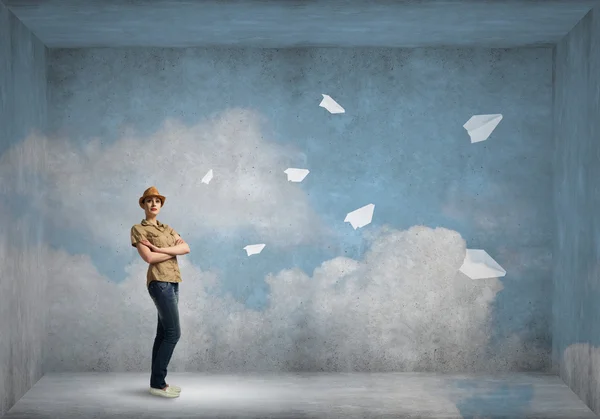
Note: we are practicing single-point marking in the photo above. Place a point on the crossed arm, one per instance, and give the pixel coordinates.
(153, 254)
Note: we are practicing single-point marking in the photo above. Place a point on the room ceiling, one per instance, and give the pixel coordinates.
(296, 23)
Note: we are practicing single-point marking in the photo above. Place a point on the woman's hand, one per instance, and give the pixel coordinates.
(150, 245)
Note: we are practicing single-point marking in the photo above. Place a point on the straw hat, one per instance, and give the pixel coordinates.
(151, 191)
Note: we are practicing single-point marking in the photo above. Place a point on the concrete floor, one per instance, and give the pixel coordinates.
(385, 395)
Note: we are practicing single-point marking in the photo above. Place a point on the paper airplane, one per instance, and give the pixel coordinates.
(296, 175)
(479, 265)
(331, 105)
(207, 177)
(254, 249)
(360, 217)
(480, 127)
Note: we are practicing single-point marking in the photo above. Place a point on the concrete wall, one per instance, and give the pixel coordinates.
(575, 312)
(321, 295)
(23, 308)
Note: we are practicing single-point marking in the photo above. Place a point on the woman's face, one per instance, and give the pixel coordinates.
(152, 205)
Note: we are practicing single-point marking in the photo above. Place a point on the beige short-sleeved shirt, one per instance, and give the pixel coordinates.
(160, 235)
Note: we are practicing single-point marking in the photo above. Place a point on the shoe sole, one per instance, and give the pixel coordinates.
(163, 393)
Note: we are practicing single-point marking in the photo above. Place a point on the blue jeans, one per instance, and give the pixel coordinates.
(166, 299)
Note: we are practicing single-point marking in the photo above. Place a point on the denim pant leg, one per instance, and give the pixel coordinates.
(166, 298)
(160, 335)
(160, 331)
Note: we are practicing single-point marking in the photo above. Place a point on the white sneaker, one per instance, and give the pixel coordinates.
(168, 392)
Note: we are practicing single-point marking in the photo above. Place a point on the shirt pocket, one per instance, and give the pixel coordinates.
(155, 238)
(171, 239)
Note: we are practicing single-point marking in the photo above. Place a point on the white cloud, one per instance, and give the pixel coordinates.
(95, 188)
(404, 306)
